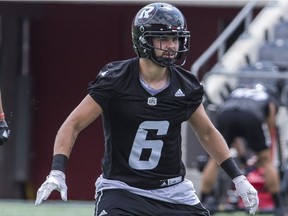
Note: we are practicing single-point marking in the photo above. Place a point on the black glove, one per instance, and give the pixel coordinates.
(4, 132)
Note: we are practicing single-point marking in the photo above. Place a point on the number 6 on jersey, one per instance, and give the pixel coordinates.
(140, 143)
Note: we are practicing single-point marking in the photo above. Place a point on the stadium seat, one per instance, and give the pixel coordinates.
(281, 29)
(275, 51)
(258, 67)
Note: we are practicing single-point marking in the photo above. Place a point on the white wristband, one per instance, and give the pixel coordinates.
(238, 179)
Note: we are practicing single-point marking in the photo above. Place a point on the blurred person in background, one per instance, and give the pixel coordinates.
(248, 113)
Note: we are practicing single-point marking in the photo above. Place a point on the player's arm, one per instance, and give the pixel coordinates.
(4, 130)
(271, 118)
(215, 145)
(1, 108)
(82, 116)
(211, 140)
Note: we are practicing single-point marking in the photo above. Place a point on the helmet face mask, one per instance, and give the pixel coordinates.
(160, 20)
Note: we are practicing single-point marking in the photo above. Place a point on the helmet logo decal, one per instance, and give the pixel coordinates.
(146, 14)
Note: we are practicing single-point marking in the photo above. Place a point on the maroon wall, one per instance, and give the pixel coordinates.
(69, 44)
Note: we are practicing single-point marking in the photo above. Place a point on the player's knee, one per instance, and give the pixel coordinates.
(264, 157)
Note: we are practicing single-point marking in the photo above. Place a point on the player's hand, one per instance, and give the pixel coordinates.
(247, 192)
(4, 132)
(55, 181)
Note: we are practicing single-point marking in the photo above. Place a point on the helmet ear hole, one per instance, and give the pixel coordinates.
(142, 28)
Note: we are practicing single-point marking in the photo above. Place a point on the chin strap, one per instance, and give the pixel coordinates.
(164, 62)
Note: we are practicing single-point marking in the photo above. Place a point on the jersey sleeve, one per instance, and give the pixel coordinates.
(196, 97)
(193, 88)
(101, 89)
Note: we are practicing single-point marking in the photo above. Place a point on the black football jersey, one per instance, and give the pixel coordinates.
(142, 132)
(253, 101)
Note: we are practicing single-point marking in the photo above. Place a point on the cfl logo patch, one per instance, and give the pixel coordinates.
(152, 101)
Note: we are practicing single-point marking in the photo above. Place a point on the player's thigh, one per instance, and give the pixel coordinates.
(227, 125)
(116, 202)
(257, 136)
(185, 210)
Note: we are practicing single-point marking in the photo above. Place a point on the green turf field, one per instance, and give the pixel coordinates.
(60, 208)
(49, 208)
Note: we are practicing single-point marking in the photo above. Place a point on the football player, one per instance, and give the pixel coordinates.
(248, 113)
(143, 102)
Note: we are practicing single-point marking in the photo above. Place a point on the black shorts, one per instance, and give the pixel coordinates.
(116, 202)
(235, 123)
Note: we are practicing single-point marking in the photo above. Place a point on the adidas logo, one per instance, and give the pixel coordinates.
(103, 213)
(179, 93)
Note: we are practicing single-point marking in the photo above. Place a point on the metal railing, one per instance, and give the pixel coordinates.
(218, 45)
